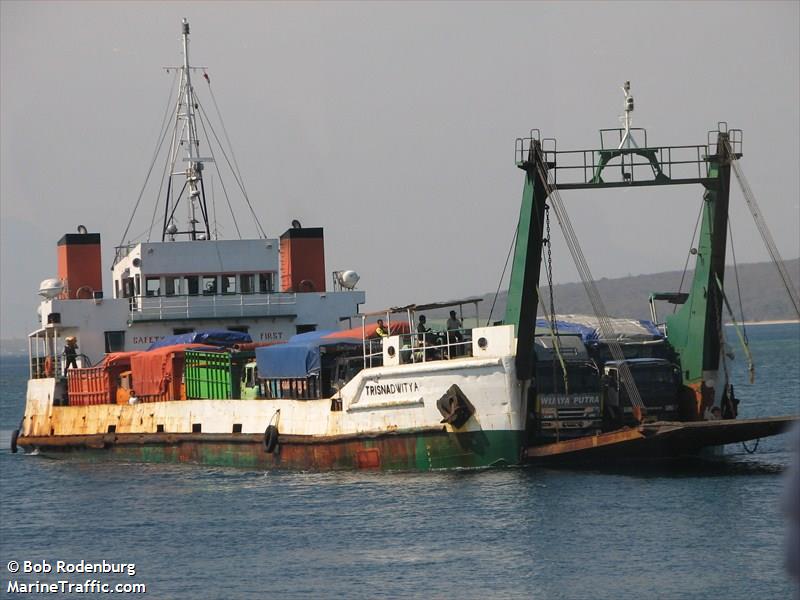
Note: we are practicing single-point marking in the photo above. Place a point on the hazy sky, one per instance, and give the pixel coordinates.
(393, 126)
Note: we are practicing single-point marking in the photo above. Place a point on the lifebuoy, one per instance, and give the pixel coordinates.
(48, 367)
(270, 439)
(14, 436)
(84, 289)
(306, 285)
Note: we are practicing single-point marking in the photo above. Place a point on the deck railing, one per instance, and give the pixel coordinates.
(435, 345)
(153, 308)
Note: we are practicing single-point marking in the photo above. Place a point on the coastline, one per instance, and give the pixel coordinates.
(771, 322)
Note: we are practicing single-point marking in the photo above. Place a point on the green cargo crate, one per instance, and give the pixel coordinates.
(212, 375)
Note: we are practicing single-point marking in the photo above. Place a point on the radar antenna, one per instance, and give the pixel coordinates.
(627, 119)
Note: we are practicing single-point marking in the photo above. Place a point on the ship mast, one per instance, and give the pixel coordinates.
(185, 135)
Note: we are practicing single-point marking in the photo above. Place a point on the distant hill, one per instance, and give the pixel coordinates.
(763, 295)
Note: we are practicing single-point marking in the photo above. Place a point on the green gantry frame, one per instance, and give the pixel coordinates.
(694, 329)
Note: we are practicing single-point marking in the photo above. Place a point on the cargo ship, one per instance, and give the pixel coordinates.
(236, 353)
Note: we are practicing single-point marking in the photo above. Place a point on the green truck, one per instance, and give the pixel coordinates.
(220, 375)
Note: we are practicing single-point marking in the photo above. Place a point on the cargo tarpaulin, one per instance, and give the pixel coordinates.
(120, 360)
(221, 337)
(158, 372)
(588, 327)
(396, 328)
(300, 357)
(98, 384)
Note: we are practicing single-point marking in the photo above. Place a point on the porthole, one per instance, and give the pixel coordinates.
(482, 343)
(390, 351)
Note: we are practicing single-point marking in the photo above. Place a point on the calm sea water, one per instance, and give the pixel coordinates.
(707, 531)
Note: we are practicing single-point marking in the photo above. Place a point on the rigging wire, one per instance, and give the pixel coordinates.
(163, 129)
(237, 173)
(582, 266)
(551, 318)
(689, 254)
(751, 368)
(736, 278)
(766, 236)
(165, 177)
(230, 166)
(551, 321)
(222, 184)
(503, 274)
(169, 167)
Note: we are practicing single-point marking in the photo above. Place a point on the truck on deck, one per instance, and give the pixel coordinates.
(567, 405)
(659, 383)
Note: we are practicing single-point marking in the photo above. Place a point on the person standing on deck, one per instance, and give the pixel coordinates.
(381, 331)
(70, 354)
(454, 332)
(454, 326)
(453, 322)
(422, 328)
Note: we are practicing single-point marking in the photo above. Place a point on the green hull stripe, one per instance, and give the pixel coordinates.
(422, 451)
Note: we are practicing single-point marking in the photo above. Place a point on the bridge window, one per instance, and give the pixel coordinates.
(174, 286)
(115, 341)
(247, 283)
(265, 283)
(228, 284)
(209, 285)
(153, 286)
(193, 285)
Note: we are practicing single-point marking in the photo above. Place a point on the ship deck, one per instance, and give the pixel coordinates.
(660, 440)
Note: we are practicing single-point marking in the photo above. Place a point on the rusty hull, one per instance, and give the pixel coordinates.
(423, 449)
(662, 440)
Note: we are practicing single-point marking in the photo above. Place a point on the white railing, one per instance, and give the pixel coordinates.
(151, 308)
(435, 345)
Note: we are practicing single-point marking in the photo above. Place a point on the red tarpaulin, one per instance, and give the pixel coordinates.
(159, 372)
(397, 327)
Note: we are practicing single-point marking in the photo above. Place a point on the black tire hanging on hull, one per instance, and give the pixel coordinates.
(455, 407)
(270, 439)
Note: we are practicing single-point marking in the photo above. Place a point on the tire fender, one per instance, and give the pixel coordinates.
(14, 436)
(270, 439)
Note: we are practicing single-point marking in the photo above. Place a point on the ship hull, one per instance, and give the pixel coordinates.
(384, 418)
(412, 450)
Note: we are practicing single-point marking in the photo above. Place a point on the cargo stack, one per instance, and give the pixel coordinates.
(100, 384)
(211, 375)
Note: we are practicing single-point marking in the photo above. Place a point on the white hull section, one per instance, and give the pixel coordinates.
(380, 400)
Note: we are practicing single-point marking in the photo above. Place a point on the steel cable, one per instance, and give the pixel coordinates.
(163, 129)
(766, 236)
(585, 274)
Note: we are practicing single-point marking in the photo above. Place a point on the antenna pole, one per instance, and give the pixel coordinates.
(186, 130)
(627, 138)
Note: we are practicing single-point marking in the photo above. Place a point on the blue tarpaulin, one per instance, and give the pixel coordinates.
(627, 330)
(299, 357)
(221, 337)
(566, 328)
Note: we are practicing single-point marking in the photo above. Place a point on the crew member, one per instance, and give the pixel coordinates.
(70, 353)
(454, 325)
(422, 328)
(381, 330)
(453, 322)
